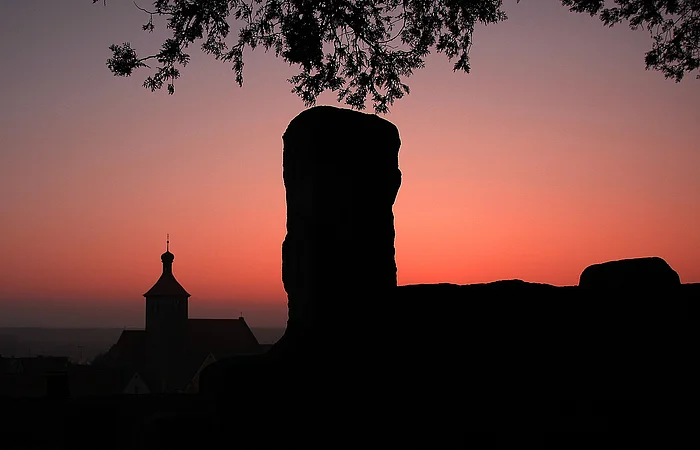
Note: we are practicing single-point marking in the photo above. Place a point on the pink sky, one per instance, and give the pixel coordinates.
(558, 151)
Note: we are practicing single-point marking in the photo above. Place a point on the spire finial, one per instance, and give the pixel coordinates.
(167, 242)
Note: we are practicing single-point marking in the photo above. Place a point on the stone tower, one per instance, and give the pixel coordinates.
(166, 316)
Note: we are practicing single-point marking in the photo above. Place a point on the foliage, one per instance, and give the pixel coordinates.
(367, 48)
(674, 26)
(356, 48)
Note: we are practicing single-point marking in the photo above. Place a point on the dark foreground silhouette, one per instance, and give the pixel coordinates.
(527, 363)
(368, 364)
(522, 361)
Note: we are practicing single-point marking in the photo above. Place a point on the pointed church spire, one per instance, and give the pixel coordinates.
(167, 242)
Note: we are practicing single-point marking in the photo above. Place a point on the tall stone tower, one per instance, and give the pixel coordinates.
(166, 317)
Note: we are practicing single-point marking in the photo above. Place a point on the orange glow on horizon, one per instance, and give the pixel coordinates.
(558, 151)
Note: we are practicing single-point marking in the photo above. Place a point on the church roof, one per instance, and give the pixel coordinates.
(129, 352)
(220, 337)
(167, 285)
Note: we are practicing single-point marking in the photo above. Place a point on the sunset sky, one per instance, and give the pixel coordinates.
(558, 151)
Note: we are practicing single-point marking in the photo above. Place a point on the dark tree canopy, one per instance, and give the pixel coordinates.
(674, 26)
(368, 48)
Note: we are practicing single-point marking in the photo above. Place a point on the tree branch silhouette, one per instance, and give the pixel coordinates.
(353, 47)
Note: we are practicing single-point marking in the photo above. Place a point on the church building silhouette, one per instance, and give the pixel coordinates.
(173, 349)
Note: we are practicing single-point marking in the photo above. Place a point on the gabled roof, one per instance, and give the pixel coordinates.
(131, 354)
(193, 385)
(128, 349)
(187, 367)
(135, 384)
(222, 337)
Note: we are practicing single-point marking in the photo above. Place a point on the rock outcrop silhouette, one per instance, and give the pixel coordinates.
(638, 274)
(341, 177)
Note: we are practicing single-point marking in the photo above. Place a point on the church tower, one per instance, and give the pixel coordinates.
(166, 314)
